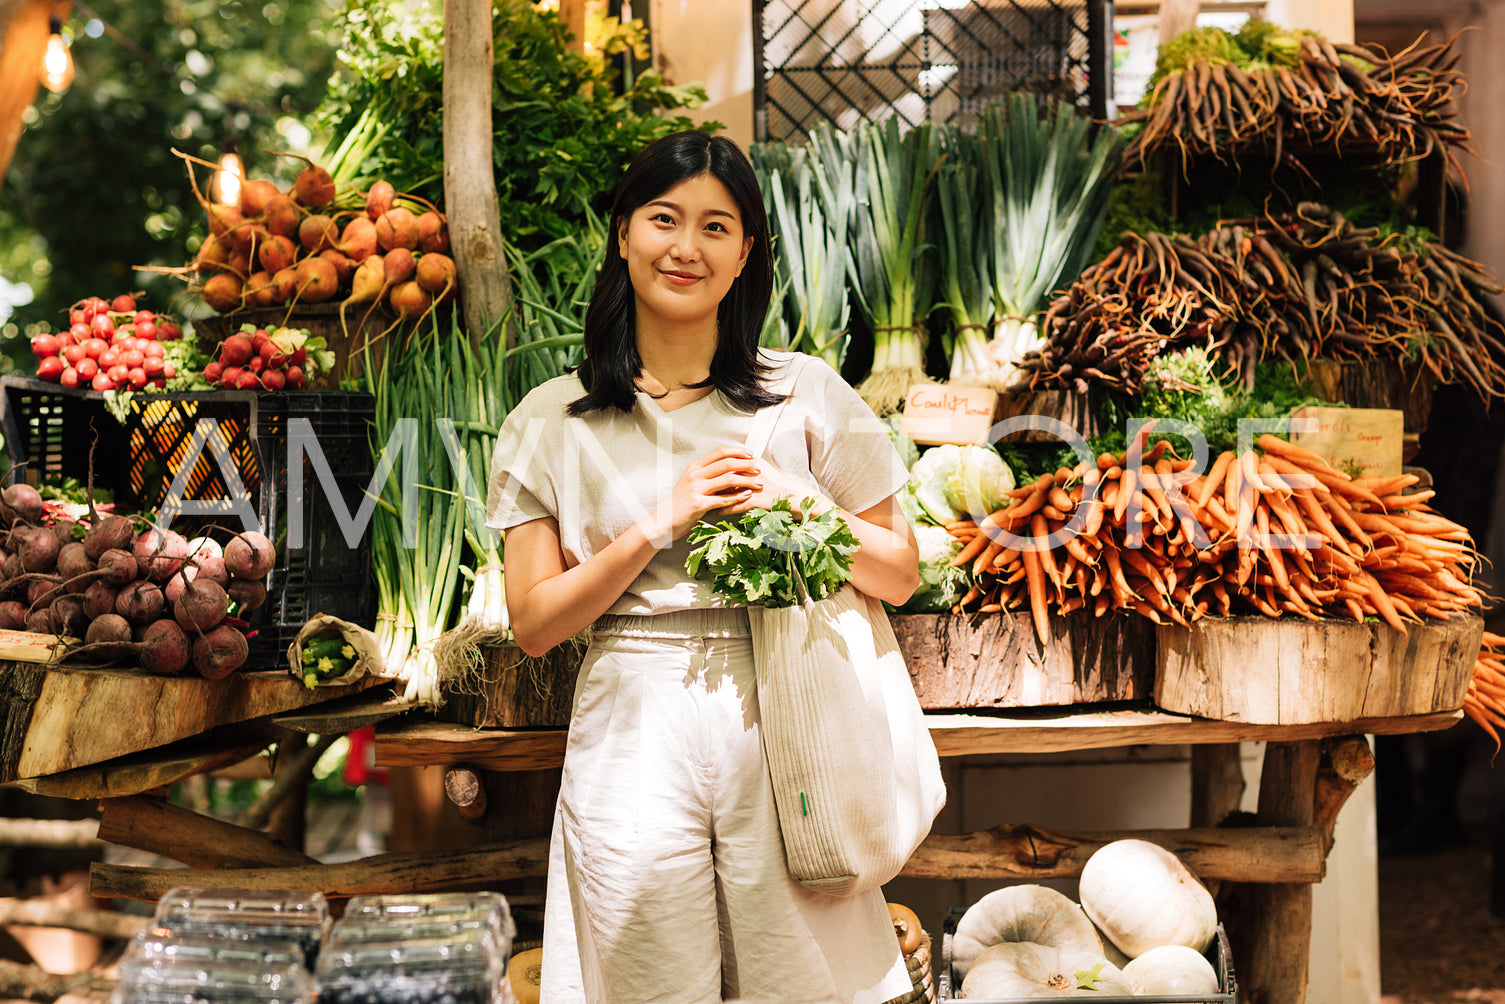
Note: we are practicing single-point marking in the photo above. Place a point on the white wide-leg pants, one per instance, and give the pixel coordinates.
(667, 879)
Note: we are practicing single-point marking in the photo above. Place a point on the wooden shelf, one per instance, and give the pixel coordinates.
(416, 742)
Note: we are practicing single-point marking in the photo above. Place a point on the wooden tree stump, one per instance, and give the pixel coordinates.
(1282, 672)
(997, 661)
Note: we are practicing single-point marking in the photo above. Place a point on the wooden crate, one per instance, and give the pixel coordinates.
(996, 661)
(1286, 672)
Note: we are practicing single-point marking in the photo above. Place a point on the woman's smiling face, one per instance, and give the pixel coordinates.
(683, 250)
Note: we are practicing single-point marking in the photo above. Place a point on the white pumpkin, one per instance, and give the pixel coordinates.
(1172, 969)
(1111, 951)
(1141, 896)
(1023, 969)
(1028, 912)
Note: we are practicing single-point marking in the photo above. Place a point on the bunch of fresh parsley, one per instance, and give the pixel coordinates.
(758, 558)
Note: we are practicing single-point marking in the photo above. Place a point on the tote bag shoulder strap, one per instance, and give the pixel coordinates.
(765, 419)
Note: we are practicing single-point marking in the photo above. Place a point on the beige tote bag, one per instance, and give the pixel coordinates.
(856, 779)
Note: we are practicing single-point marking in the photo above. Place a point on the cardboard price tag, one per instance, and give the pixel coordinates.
(936, 413)
(1363, 442)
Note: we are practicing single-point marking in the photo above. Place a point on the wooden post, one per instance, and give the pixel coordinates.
(154, 824)
(68, 834)
(1348, 760)
(1177, 16)
(1278, 933)
(23, 40)
(1217, 782)
(464, 788)
(572, 16)
(470, 200)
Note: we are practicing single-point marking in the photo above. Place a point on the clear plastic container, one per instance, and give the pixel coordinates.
(156, 944)
(300, 918)
(440, 905)
(189, 981)
(464, 969)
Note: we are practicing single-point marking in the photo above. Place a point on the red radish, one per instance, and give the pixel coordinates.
(111, 532)
(125, 303)
(379, 199)
(68, 617)
(273, 380)
(247, 594)
(230, 377)
(168, 331)
(164, 648)
(222, 293)
(51, 368)
(281, 215)
(160, 553)
(99, 599)
(433, 232)
(397, 228)
(257, 364)
(254, 196)
(235, 350)
(101, 382)
(249, 555)
(314, 187)
(146, 329)
(344, 266)
(12, 615)
(25, 500)
(37, 546)
(41, 591)
(436, 273)
(73, 562)
(69, 377)
(359, 239)
(318, 232)
(102, 326)
(220, 652)
(248, 381)
(295, 377)
(140, 602)
(202, 605)
(108, 628)
(45, 344)
(316, 280)
(277, 252)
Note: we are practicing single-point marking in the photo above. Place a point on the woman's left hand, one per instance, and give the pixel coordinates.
(774, 484)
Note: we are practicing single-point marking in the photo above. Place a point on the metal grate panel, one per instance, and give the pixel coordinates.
(849, 61)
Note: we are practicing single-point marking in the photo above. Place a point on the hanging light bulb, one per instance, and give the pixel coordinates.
(226, 183)
(57, 63)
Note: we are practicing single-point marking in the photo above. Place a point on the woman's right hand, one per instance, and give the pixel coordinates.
(725, 476)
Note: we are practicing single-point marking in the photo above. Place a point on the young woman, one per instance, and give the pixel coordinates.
(667, 879)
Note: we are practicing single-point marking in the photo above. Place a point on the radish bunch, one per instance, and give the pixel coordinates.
(122, 590)
(109, 345)
(257, 359)
(311, 244)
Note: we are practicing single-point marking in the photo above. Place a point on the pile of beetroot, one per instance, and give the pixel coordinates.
(117, 587)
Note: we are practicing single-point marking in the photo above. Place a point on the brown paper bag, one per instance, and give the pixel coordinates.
(368, 661)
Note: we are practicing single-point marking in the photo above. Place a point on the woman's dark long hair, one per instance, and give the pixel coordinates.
(611, 365)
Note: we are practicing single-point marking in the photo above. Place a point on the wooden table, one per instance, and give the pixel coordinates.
(1308, 773)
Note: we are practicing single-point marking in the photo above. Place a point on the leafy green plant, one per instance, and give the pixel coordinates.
(774, 557)
(562, 132)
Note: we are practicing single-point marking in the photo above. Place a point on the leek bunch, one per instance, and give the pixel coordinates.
(891, 277)
(810, 200)
(964, 241)
(1047, 182)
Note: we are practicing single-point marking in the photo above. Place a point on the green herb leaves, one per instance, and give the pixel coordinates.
(774, 557)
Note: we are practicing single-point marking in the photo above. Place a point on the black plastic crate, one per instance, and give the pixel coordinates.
(1218, 953)
(51, 430)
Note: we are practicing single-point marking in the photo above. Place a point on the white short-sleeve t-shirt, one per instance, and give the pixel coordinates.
(599, 474)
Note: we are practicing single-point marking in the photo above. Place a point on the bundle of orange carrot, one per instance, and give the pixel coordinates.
(1273, 531)
(1485, 700)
